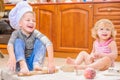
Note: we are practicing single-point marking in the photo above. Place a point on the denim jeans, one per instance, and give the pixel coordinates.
(36, 57)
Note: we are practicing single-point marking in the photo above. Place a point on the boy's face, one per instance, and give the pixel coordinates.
(28, 22)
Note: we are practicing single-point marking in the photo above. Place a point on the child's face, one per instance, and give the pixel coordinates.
(104, 33)
(28, 23)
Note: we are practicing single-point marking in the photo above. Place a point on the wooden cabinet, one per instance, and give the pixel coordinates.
(69, 25)
(66, 25)
(110, 11)
(74, 22)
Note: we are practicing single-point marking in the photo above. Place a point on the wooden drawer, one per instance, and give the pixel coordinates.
(107, 9)
(4, 38)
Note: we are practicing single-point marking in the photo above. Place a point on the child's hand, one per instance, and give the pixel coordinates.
(12, 64)
(51, 68)
(97, 55)
(91, 58)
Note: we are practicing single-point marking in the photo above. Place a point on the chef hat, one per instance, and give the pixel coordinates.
(17, 12)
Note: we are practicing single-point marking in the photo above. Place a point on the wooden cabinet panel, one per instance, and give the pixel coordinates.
(107, 9)
(46, 15)
(73, 27)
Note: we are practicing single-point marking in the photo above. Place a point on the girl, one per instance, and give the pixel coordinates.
(104, 50)
(27, 46)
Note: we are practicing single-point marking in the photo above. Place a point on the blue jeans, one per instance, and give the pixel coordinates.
(36, 57)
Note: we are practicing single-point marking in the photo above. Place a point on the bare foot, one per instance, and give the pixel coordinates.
(24, 72)
(37, 68)
(70, 61)
(23, 68)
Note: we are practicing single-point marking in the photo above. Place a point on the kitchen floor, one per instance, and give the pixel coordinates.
(58, 76)
(58, 61)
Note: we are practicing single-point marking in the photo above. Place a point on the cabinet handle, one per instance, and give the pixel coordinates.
(108, 9)
(90, 6)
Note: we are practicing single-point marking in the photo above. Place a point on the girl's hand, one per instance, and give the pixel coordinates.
(12, 64)
(51, 68)
(97, 55)
(91, 59)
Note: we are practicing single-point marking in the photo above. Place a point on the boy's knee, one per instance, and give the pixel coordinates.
(38, 42)
(19, 43)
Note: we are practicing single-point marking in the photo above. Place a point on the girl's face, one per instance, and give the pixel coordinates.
(28, 23)
(104, 33)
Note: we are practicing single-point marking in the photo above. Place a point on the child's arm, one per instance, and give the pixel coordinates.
(51, 64)
(49, 47)
(11, 61)
(10, 48)
(92, 55)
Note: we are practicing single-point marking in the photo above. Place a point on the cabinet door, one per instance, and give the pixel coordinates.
(73, 28)
(116, 22)
(45, 19)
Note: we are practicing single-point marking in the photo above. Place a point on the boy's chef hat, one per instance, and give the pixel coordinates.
(17, 12)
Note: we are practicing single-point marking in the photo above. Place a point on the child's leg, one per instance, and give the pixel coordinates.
(40, 55)
(82, 56)
(20, 56)
(101, 64)
(35, 61)
(69, 60)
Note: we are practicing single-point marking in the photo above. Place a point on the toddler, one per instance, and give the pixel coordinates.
(104, 50)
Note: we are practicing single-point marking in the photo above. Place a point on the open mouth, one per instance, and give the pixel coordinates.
(104, 34)
(30, 27)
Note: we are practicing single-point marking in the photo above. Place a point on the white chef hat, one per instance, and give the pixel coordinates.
(17, 12)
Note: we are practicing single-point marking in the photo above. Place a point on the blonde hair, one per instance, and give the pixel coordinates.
(105, 23)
